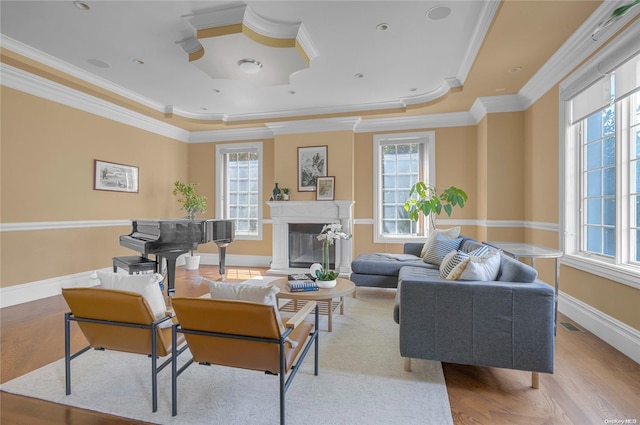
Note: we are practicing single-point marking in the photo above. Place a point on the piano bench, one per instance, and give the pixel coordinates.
(134, 264)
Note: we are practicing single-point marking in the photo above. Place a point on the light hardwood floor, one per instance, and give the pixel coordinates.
(592, 384)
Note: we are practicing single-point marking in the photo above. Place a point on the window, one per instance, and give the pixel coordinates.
(601, 198)
(239, 187)
(400, 161)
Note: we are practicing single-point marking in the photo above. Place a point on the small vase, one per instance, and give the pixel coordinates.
(276, 193)
(326, 284)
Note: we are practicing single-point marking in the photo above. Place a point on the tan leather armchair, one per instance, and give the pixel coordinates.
(244, 335)
(120, 321)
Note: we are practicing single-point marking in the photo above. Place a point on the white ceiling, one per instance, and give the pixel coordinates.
(416, 60)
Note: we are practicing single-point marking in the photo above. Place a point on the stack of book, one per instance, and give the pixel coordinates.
(301, 282)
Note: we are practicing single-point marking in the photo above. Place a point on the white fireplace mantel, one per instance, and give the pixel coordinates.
(285, 212)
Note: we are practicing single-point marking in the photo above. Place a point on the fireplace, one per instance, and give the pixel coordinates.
(304, 246)
(317, 213)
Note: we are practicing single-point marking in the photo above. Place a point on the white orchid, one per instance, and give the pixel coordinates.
(329, 234)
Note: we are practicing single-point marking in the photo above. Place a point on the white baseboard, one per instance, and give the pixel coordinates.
(32, 291)
(622, 337)
(18, 294)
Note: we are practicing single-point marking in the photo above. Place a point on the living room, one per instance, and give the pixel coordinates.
(506, 149)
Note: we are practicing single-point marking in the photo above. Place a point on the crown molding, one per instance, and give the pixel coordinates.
(452, 119)
(489, 9)
(575, 50)
(314, 126)
(32, 84)
(72, 70)
(229, 135)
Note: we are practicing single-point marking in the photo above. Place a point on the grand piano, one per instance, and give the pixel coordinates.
(171, 238)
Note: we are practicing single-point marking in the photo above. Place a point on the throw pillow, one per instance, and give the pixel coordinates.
(450, 233)
(147, 285)
(450, 261)
(440, 247)
(484, 268)
(246, 292)
(243, 292)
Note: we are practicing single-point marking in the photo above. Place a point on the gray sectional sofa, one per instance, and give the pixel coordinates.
(507, 323)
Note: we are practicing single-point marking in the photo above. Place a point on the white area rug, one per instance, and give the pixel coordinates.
(361, 381)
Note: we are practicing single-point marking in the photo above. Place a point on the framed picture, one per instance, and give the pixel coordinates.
(325, 188)
(115, 177)
(312, 163)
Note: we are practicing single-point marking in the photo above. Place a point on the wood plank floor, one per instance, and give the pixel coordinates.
(592, 384)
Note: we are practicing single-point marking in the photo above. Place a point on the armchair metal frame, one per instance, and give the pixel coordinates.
(285, 381)
(152, 327)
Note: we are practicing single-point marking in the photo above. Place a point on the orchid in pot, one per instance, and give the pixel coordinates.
(330, 233)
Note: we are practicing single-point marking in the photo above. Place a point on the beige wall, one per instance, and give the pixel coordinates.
(507, 163)
(47, 156)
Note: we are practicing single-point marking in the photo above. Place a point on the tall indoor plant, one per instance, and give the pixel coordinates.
(424, 198)
(193, 204)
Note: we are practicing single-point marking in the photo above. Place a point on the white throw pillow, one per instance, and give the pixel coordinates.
(484, 268)
(243, 292)
(147, 285)
(451, 233)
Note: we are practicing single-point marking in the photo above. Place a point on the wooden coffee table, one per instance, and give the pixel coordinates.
(331, 298)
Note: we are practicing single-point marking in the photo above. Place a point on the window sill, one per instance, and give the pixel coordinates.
(624, 274)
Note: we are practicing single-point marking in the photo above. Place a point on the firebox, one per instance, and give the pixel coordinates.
(304, 246)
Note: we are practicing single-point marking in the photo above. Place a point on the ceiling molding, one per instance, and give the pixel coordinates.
(453, 119)
(432, 95)
(35, 85)
(575, 50)
(314, 126)
(489, 9)
(356, 109)
(55, 63)
(229, 135)
(496, 104)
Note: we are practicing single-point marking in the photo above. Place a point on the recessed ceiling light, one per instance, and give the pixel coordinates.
(413, 89)
(358, 75)
(291, 92)
(138, 61)
(515, 69)
(382, 27)
(249, 66)
(438, 12)
(215, 90)
(99, 63)
(81, 5)
(203, 109)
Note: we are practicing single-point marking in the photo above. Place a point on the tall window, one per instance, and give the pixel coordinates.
(401, 160)
(602, 175)
(239, 187)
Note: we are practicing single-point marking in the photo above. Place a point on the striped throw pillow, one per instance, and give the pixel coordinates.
(450, 261)
(440, 247)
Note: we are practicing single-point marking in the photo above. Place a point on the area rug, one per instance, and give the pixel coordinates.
(361, 381)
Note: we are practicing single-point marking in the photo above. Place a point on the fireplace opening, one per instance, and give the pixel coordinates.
(304, 246)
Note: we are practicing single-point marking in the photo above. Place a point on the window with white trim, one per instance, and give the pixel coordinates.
(601, 175)
(239, 187)
(400, 160)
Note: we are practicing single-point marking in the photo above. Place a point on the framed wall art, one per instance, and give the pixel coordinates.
(312, 163)
(325, 188)
(115, 177)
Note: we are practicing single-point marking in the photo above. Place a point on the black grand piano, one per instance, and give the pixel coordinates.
(171, 238)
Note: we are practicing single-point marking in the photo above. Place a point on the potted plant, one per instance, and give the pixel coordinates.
(330, 233)
(425, 199)
(285, 193)
(193, 204)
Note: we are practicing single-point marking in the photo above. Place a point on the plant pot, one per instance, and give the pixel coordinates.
(326, 284)
(191, 262)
